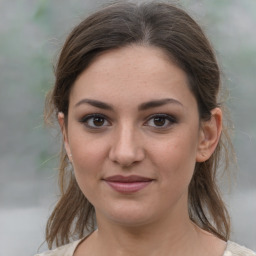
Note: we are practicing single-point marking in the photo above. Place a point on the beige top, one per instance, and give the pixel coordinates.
(232, 249)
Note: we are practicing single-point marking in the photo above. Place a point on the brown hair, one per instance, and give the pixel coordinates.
(165, 26)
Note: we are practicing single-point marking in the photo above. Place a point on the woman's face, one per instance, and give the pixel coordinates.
(134, 135)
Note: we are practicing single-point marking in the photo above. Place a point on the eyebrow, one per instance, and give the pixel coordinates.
(158, 103)
(95, 103)
(143, 106)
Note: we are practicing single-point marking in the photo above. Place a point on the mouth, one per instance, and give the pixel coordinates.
(128, 184)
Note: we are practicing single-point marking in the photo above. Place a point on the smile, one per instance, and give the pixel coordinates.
(128, 184)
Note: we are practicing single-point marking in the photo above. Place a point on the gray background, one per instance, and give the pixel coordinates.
(31, 33)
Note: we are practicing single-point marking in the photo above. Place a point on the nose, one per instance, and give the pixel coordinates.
(126, 148)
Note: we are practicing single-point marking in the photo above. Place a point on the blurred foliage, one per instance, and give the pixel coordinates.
(42, 12)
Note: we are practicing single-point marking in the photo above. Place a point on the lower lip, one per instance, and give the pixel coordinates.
(128, 187)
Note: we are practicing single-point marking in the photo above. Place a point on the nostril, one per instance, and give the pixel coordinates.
(126, 157)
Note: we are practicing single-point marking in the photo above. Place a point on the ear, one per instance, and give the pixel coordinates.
(61, 120)
(210, 132)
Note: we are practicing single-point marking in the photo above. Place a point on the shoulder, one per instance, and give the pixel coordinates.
(65, 250)
(234, 249)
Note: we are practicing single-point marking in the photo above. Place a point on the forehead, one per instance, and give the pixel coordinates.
(131, 73)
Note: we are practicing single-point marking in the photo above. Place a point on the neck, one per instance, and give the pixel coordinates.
(172, 234)
(165, 237)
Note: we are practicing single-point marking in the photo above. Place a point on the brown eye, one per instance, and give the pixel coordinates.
(95, 121)
(159, 121)
(98, 121)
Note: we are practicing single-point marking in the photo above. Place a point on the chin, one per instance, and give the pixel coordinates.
(128, 215)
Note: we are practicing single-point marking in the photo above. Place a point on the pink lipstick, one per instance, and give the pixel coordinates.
(127, 184)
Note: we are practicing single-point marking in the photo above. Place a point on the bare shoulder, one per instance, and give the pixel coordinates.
(234, 249)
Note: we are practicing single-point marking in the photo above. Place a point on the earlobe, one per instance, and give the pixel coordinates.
(209, 135)
(61, 120)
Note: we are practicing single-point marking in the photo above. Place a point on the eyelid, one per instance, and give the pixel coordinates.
(172, 120)
(87, 117)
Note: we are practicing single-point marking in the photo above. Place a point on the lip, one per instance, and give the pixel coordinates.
(128, 184)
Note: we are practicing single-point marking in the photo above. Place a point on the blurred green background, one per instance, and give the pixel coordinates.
(31, 35)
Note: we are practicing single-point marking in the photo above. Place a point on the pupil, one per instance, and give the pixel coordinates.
(159, 121)
(98, 121)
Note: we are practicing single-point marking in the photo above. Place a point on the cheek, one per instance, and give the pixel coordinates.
(89, 154)
(87, 158)
(175, 159)
(85, 154)
(87, 165)
(87, 150)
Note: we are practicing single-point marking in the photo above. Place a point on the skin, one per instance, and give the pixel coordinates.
(132, 137)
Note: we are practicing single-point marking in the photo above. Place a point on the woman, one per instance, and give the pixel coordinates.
(136, 98)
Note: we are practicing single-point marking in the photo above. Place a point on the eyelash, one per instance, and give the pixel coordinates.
(85, 120)
(165, 117)
(171, 120)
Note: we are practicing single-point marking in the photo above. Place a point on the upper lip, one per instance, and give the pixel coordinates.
(131, 178)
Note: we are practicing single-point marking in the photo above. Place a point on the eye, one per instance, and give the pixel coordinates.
(95, 121)
(160, 121)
